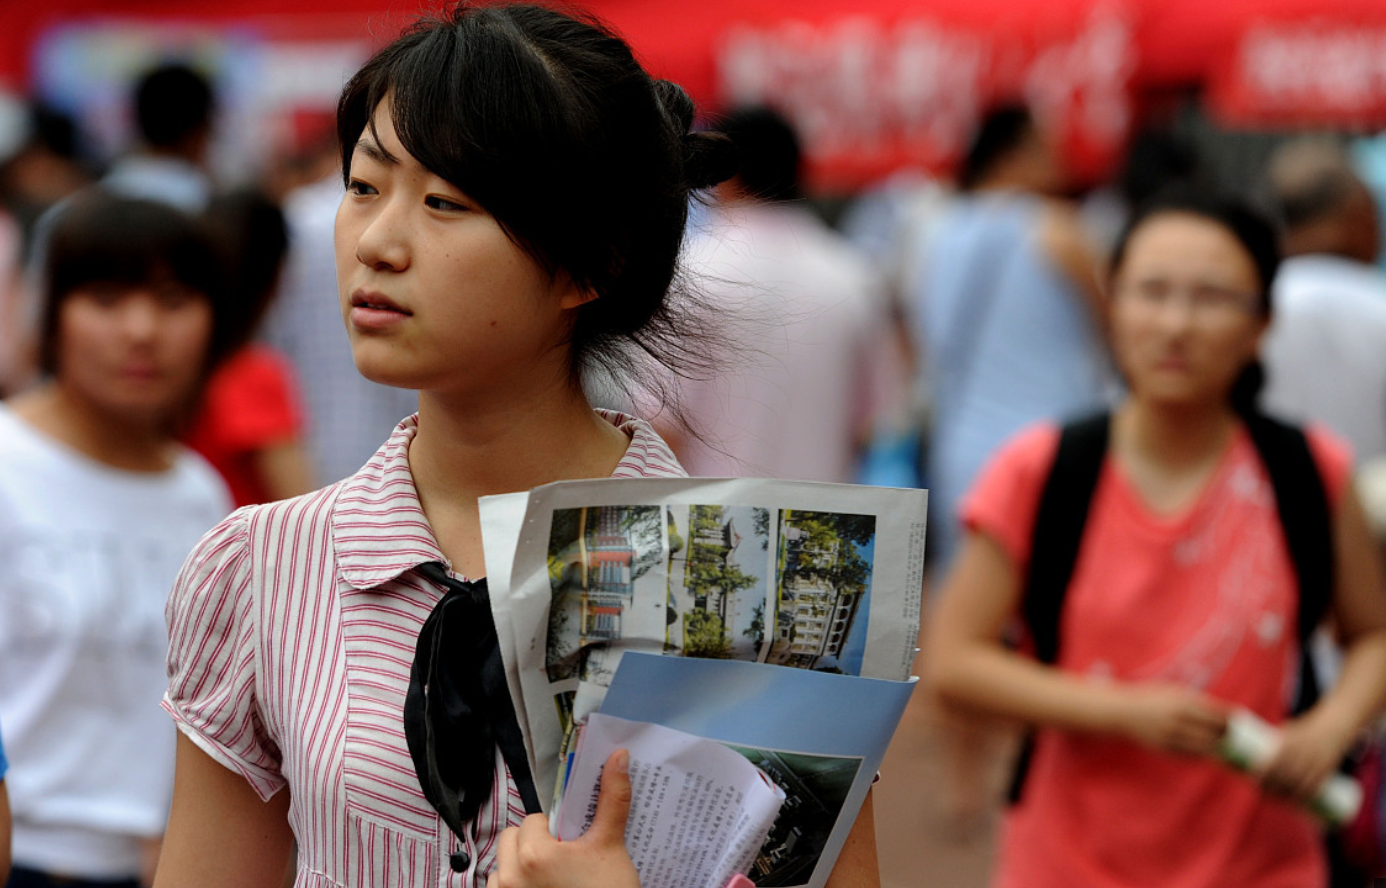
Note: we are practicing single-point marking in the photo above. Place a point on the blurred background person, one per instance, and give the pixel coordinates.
(174, 108)
(39, 166)
(347, 415)
(1183, 602)
(249, 424)
(1008, 319)
(1325, 354)
(799, 404)
(99, 505)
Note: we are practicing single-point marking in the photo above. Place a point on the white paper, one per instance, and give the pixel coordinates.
(699, 811)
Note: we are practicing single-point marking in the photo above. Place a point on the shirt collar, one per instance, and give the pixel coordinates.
(379, 529)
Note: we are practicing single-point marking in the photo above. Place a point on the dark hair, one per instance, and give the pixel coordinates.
(1257, 235)
(769, 149)
(251, 238)
(1156, 161)
(1003, 130)
(172, 102)
(103, 238)
(546, 119)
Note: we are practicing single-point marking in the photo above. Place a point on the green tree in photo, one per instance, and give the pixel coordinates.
(705, 636)
(756, 631)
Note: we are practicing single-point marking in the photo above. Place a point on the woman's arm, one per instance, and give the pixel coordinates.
(1314, 744)
(969, 667)
(858, 866)
(220, 835)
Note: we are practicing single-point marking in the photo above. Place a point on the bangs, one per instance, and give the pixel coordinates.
(476, 104)
(102, 239)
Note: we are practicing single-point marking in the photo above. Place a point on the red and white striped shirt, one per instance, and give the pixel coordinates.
(292, 628)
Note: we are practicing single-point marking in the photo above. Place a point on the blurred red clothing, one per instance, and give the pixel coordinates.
(252, 402)
(1205, 598)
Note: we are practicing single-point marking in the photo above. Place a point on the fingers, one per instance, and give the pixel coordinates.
(1196, 727)
(507, 848)
(1295, 774)
(613, 802)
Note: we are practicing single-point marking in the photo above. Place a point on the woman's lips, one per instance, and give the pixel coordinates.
(375, 311)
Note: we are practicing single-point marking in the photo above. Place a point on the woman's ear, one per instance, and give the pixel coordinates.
(570, 295)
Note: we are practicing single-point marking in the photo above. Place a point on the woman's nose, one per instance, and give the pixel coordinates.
(140, 316)
(384, 240)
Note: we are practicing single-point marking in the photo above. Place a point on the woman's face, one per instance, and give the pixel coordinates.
(136, 352)
(435, 295)
(1186, 312)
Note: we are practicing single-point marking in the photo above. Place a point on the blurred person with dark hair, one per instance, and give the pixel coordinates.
(174, 107)
(249, 425)
(800, 405)
(1007, 311)
(1165, 564)
(99, 504)
(1325, 353)
(39, 167)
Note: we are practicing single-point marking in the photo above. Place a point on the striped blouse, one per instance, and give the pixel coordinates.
(291, 631)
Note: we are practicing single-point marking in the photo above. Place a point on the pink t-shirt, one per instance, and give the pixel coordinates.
(1205, 598)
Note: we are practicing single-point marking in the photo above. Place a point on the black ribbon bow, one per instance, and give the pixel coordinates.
(458, 709)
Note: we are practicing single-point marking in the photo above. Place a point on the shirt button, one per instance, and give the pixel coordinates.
(460, 860)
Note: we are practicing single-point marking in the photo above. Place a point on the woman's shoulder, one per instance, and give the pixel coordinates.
(307, 515)
(1031, 450)
(647, 455)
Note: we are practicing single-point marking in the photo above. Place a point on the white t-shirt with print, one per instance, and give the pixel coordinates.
(89, 554)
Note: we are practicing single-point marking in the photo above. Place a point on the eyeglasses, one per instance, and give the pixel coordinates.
(1202, 300)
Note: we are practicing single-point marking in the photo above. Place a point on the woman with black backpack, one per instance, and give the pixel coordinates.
(1167, 564)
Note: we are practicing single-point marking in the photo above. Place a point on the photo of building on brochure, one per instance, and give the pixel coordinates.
(823, 570)
(815, 788)
(719, 564)
(597, 557)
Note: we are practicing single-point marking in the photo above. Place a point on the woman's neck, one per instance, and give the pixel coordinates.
(467, 448)
(1174, 436)
(106, 437)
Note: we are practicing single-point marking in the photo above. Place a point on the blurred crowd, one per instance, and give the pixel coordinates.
(903, 344)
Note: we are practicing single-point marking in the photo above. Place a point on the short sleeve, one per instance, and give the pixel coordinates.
(1333, 455)
(1005, 498)
(213, 693)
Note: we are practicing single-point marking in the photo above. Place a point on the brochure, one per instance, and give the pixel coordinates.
(758, 574)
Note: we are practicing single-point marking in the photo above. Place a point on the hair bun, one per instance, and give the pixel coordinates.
(676, 104)
(709, 158)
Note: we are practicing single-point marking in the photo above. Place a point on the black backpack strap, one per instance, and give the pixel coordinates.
(1058, 530)
(1302, 504)
(1054, 542)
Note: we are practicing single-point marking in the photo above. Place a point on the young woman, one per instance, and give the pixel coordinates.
(99, 504)
(516, 191)
(1182, 603)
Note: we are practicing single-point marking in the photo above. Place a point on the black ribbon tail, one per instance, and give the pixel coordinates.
(458, 710)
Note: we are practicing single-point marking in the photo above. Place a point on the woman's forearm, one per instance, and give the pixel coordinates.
(991, 679)
(1360, 691)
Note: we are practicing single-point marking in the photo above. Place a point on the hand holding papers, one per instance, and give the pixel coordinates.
(699, 811)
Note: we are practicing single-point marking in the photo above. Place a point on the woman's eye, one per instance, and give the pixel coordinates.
(359, 188)
(434, 202)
